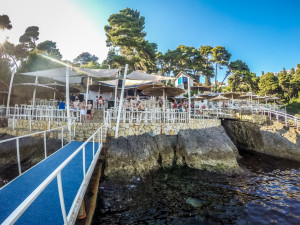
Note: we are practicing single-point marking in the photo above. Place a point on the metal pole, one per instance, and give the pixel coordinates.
(121, 101)
(34, 91)
(68, 98)
(87, 91)
(45, 145)
(83, 161)
(189, 92)
(61, 198)
(116, 91)
(9, 91)
(18, 156)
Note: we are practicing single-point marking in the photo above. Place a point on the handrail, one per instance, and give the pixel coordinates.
(13, 217)
(61, 128)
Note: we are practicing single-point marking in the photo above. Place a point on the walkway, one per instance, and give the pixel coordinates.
(46, 208)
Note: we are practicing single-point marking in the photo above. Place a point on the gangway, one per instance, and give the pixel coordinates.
(52, 191)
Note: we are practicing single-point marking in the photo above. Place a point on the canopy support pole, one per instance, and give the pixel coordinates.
(87, 91)
(9, 91)
(189, 92)
(34, 92)
(164, 104)
(121, 102)
(116, 91)
(68, 99)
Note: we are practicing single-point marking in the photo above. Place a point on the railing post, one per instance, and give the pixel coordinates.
(62, 137)
(13, 122)
(45, 145)
(93, 146)
(61, 198)
(83, 161)
(74, 129)
(18, 156)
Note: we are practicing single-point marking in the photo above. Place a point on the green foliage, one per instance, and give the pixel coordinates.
(125, 32)
(5, 23)
(208, 70)
(293, 107)
(91, 65)
(284, 79)
(49, 47)
(268, 84)
(85, 58)
(29, 38)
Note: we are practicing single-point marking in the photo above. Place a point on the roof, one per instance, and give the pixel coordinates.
(184, 74)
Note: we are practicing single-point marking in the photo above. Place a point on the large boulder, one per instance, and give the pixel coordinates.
(275, 140)
(209, 147)
(137, 155)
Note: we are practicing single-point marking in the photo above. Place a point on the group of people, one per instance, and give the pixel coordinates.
(85, 109)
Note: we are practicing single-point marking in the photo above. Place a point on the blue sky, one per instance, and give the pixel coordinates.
(265, 34)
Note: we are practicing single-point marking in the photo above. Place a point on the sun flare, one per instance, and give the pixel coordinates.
(2, 38)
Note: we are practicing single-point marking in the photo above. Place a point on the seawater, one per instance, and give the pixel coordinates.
(268, 192)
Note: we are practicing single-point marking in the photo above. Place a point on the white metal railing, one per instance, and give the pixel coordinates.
(44, 133)
(38, 113)
(72, 214)
(281, 116)
(147, 116)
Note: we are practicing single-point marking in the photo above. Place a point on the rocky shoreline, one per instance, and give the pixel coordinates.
(207, 148)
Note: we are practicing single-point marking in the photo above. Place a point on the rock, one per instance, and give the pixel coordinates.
(196, 203)
(209, 146)
(275, 140)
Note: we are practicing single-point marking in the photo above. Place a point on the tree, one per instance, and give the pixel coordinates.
(91, 65)
(85, 58)
(50, 48)
(268, 84)
(206, 53)
(5, 23)
(221, 57)
(295, 82)
(284, 79)
(240, 79)
(30, 37)
(125, 32)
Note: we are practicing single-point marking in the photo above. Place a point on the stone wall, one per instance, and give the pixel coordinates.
(153, 129)
(3, 122)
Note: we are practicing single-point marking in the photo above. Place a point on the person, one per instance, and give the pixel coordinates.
(97, 102)
(76, 104)
(127, 105)
(175, 104)
(72, 98)
(62, 104)
(82, 111)
(180, 106)
(89, 110)
(137, 98)
(140, 106)
(101, 101)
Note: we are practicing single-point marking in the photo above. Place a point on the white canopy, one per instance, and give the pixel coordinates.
(57, 72)
(99, 73)
(128, 83)
(136, 75)
(34, 85)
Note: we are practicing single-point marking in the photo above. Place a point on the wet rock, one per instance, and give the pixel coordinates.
(208, 148)
(275, 140)
(196, 203)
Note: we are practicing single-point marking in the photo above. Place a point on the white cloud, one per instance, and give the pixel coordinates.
(59, 21)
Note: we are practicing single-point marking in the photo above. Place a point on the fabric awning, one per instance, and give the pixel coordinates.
(99, 73)
(136, 75)
(128, 84)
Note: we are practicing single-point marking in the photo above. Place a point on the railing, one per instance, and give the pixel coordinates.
(44, 133)
(286, 118)
(70, 218)
(148, 116)
(38, 113)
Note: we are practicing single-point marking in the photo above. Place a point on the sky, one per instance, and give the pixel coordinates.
(265, 34)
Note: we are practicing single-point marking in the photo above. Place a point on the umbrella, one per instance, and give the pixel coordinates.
(201, 88)
(145, 86)
(219, 98)
(231, 94)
